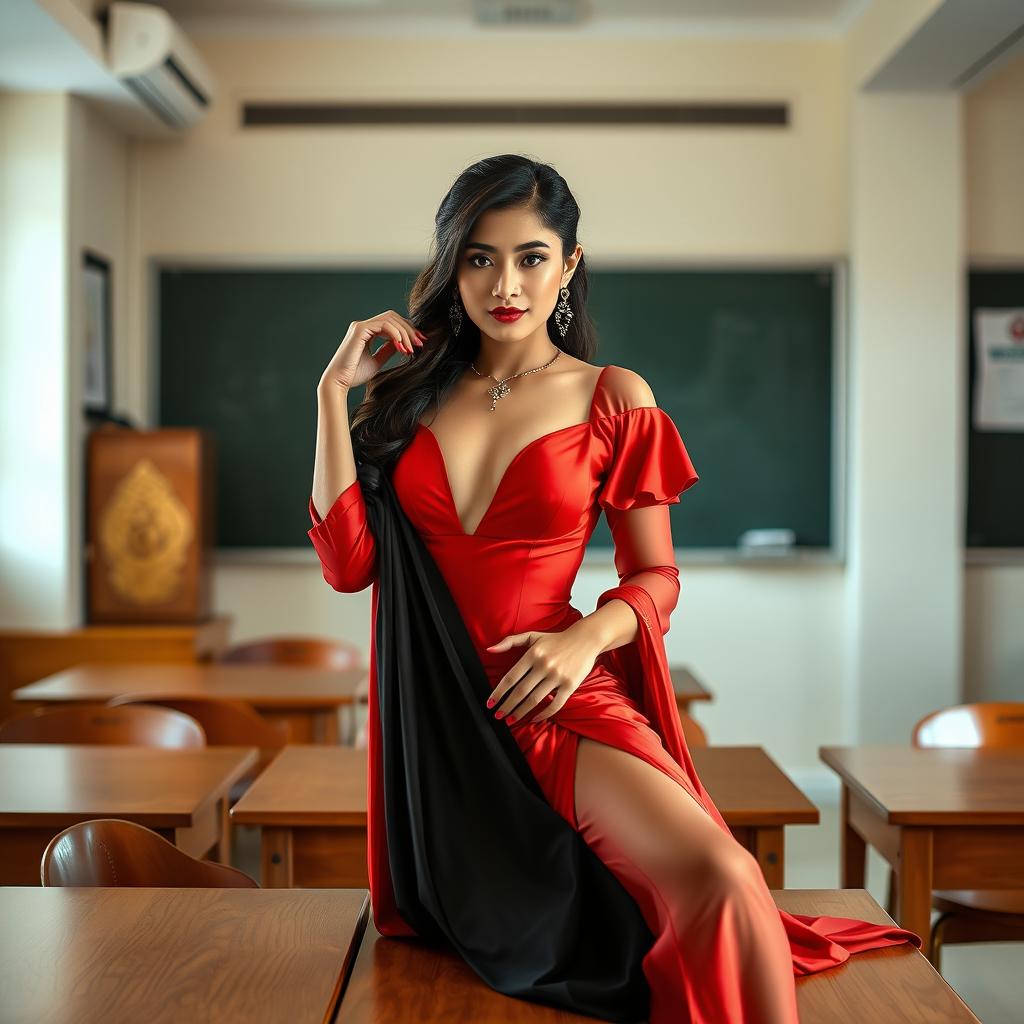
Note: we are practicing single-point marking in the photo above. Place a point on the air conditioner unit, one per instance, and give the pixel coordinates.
(151, 55)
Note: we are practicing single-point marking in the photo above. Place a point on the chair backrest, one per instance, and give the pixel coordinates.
(227, 723)
(991, 724)
(295, 650)
(137, 725)
(109, 851)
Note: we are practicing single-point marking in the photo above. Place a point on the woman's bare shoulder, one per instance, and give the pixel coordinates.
(625, 388)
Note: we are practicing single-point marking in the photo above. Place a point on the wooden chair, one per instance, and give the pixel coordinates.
(971, 915)
(99, 723)
(302, 650)
(112, 852)
(226, 723)
(294, 650)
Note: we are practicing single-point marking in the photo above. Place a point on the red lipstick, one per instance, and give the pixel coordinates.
(506, 314)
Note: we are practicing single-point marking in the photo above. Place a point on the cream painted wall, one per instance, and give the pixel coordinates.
(767, 640)
(35, 495)
(62, 189)
(905, 572)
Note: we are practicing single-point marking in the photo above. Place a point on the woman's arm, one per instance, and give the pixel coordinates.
(334, 466)
(644, 555)
(341, 536)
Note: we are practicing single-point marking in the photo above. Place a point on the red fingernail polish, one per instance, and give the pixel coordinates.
(510, 720)
(499, 714)
(490, 703)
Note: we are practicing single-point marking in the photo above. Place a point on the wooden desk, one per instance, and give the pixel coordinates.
(688, 688)
(169, 955)
(307, 699)
(949, 818)
(757, 800)
(398, 980)
(27, 655)
(181, 794)
(311, 806)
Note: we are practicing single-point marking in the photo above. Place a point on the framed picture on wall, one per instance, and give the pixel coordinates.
(98, 376)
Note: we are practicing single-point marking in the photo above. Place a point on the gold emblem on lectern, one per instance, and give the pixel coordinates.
(144, 534)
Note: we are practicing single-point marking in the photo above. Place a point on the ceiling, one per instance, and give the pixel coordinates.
(696, 17)
(59, 44)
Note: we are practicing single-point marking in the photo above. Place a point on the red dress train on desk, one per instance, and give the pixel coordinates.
(514, 573)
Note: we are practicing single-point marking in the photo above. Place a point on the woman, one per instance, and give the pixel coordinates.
(531, 797)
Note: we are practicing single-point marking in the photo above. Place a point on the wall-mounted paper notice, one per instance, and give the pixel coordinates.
(999, 369)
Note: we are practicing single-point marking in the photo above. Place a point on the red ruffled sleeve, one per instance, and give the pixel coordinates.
(649, 464)
(647, 469)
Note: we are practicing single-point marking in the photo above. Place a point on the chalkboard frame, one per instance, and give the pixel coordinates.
(595, 556)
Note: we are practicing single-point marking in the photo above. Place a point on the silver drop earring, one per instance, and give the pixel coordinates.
(563, 314)
(455, 313)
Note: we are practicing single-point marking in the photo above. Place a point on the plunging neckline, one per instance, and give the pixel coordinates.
(512, 462)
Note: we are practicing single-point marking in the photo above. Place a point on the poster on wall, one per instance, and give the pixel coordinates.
(98, 372)
(999, 365)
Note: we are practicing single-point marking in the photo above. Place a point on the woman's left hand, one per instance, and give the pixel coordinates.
(554, 663)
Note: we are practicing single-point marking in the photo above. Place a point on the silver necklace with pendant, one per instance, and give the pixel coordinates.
(500, 388)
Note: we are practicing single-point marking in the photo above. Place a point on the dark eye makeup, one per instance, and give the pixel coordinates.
(532, 255)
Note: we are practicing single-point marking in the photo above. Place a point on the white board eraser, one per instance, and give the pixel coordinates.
(767, 542)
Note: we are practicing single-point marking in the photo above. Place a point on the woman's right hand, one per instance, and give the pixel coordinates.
(354, 364)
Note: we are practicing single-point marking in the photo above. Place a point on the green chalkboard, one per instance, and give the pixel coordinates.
(995, 483)
(741, 359)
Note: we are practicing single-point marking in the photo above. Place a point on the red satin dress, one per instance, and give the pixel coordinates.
(514, 573)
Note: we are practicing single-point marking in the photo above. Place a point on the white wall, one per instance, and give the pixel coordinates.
(36, 499)
(905, 573)
(63, 189)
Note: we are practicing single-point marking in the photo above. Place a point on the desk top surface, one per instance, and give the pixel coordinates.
(909, 785)
(394, 980)
(159, 955)
(308, 785)
(323, 785)
(686, 684)
(50, 783)
(265, 685)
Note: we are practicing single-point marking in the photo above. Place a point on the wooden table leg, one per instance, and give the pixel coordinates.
(222, 849)
(768, 845)
(914, 885)
(277, 861)
(853, 849)
(325, 727)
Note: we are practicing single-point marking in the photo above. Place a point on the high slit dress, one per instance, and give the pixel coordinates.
(515, 573)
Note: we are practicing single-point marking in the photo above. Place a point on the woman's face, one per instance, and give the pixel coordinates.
(511, 260)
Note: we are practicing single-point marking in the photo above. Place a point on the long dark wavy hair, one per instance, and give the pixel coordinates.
(396, 398)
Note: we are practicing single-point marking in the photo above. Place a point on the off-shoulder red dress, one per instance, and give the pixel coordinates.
(514, 573)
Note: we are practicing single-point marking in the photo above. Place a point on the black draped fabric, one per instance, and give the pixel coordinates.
(478, 857)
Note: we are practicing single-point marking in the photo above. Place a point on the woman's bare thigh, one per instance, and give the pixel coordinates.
(647, 815)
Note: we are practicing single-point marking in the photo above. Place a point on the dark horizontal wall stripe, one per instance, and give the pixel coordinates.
(266, 114)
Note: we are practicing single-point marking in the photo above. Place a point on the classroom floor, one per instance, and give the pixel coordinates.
(986, 975)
